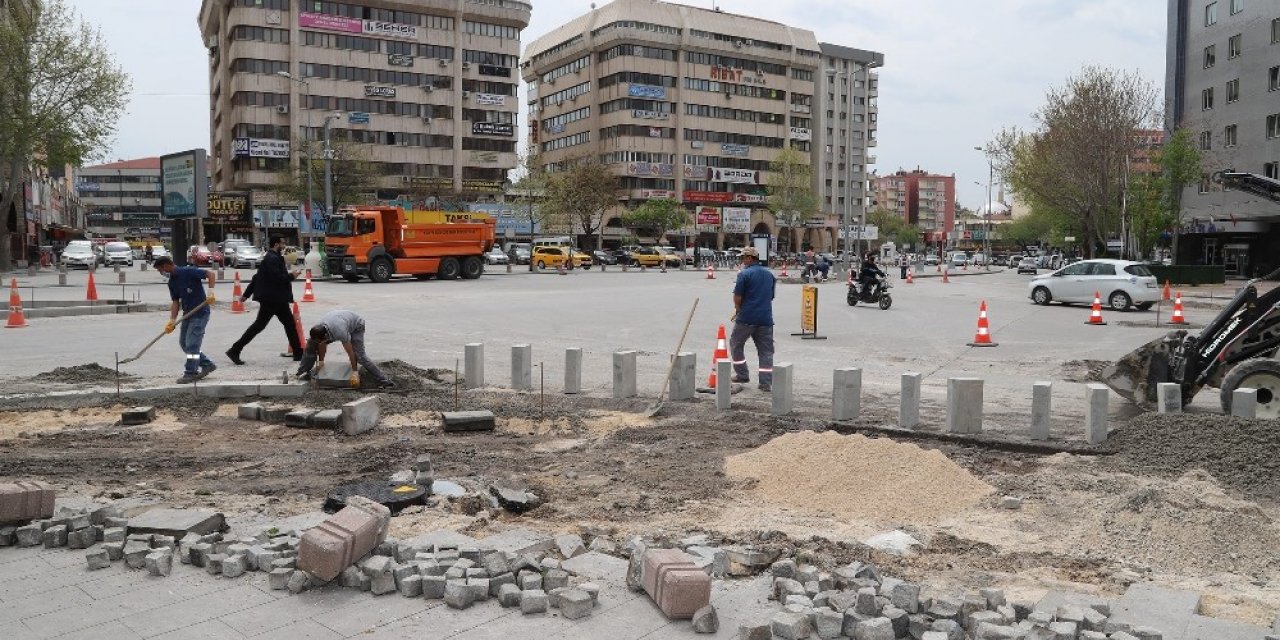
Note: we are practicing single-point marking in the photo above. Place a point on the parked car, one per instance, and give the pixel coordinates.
(496, 256)
(653, 257)
(932, 260)
(959, 259)
(621, 256)
(686, 256)
(549, 257)
(117, 254)
(601, 256)
(247, 255)
(1121, 283)
(201, 256)
(230, 245)
(1027, 265)
(79, 254)
(158, 251)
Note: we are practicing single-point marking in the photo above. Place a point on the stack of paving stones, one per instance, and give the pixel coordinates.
(353, 418)
(70, 528)
(858, 602)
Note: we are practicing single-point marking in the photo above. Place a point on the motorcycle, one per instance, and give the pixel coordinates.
(858, 294)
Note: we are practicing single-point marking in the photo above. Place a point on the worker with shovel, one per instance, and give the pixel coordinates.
(187, 292)
(348, 328)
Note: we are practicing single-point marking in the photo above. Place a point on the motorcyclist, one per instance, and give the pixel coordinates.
(869, 275)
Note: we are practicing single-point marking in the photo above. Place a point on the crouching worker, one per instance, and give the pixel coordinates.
(348, 328)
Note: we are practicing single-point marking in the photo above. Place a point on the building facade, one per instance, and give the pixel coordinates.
(689, 104)
(926, 200)
(1222, 81)
(424, 91)
(848, 116)
(46, 215)
(122, 199)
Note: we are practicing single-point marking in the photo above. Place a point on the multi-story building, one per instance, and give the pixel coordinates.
(1222, 82)
(923, 199)
(690, 104)
(847, 114)
(425, 90)
(46, 215)
(122, 199)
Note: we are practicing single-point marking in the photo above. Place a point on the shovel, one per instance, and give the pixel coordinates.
(163, 334)
(657, 406)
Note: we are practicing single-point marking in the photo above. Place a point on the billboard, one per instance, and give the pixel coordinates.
(329, 23)
(735, 176)
(229, 207)
(259, 148)
(736, 219)
(491, 99)
(492, 129)
(708, 215)
(185, 185)
(654, 92)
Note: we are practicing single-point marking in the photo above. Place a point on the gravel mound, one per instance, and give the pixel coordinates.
(855, 477)
(80, 374)
(1240, 453)
(1084, 370)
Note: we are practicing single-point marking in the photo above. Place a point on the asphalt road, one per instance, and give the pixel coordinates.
(426, 323)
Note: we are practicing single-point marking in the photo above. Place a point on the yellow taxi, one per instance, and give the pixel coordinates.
(548, 257)
(654, 257)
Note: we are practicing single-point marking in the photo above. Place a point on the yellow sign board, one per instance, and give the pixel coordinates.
(809, 309)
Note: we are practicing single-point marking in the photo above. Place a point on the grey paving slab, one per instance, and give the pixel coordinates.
(1202, 628)
(598, 566)
(172, 617)
(439, 622)
(284, 612)
(519, 541)
(21, 564)
(1054, 599)
(735, 602)
(115, 630)
(635, 618)
(443, 537)
(376, 611)
(515, 624)
(162, 592)
(19, 631)
(303, 630)
(62, 558)
(1150, 605)
(207, 630)
(48, 579)
(58, 599)
(177, 522)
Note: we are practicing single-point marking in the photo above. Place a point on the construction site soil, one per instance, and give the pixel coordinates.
(1190, 501)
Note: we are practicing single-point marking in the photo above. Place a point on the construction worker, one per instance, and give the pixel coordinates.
(753, 294)
(187, 292)
(348, 328)
(903, 263)
(272, 287)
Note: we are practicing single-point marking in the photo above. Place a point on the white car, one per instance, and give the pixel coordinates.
(1121, 283)
(496, 256)
(117, 254)
(246, 255)
(79, 254)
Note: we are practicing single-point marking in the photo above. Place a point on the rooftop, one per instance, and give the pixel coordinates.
(139, 163)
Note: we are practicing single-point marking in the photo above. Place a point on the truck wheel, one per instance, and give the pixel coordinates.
(472, 268)
(381, 270)
(449, 269)
(1262, 374)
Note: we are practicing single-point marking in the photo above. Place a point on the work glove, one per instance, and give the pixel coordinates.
(355, 381)
(211, 299)
(170, 326)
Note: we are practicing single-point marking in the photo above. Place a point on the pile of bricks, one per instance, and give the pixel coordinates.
(29, 520)
(230, 558)
(354, 418)
(858, 602)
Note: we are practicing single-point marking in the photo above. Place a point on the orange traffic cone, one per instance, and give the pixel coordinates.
(1177, 317)
(91, 291)
(911, 276)
(308, 294)
(237, 306)
(784, 270)
(945, 278)
(16, 318)
(1095, 317)
(302, 337)
(983, 337)
(711, 272)
(721, 353)
(1166, 294)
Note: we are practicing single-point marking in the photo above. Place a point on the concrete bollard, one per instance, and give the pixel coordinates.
(62, 278)
(724, 384)
(522, 367)
(573, 370)
(144, 266)
(909, 406)
(783, 400)
(32, 269)
(220, 276)
(846, 396)
(473, 367)
(1244, 403)
(1098, 397)
(624, 374)
(964, 405)
(1041, 403)
(684, 378)
(121, 277)
(1169, 397)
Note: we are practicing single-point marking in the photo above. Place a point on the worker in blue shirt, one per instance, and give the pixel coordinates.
(187, 292)
(753, 318)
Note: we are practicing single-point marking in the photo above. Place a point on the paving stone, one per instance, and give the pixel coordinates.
(114, 534)
(999, 632)
(570, 545)
(115, 550)
(249, 411)
(827, 623)
(705, 620)
(55, 537)
(790, 626)
(98, 559)
(455, 421)
(978, 617)
(457, 594)
(299, 418)
(410, 586)
(874, 629)
(278, 579)
(906, 596)
(433, 587)
(177, 522)
(234, 566)
(496, 583)
(382, 583)
(82, 538)
(575, 604)
(554, 579)
(135, 554)
(338, 542)
(159, 562)
(755, 632)
(328, 419)
(26, 500)
(479, 588)
(509, 595)
(530, 581)
(783, 569)
(137, 415)
(533, 601)
(299, 581)
(213, 564)
(360, 416)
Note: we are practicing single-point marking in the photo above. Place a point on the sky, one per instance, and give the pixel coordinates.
(956, 71)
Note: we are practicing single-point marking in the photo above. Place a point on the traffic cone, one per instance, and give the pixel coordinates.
(711, 272)
(1166, 294)
(302, 337)
(16, 318)
(1177, 317)
(308, 294)
(236, 305)
(721, 353)
(663, 266)
(91, 291)
(911, 277)
(945, 279)
(1095, 317)
(784, 270)
(939, 267)
(983, 337)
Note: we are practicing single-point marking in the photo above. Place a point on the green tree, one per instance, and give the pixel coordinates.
(790, 191)
(61, 94)
(579, 195)
(1180, 165)
(354, 176)
(657, 217)
(892, 228)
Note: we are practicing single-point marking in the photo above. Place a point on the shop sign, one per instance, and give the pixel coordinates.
(653, 92)
(740, 150)
(657, 194)
(357, 117)
(493, 99)
(486, 186)
(800, 133)
(693, 172)
(708, 215)
(708, 196)
(379, 92)
(390, 29)
(276, 218)
(729, 74)
(492, 129)
(329, 23)
(736, 219)
(258, 148)
(735, 176)
(399, 60)
(228, 207)
(650, 169)
(645, 114)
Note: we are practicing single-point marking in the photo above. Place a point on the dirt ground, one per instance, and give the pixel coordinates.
(1168, 499)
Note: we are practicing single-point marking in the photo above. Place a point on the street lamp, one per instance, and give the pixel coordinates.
(307, 85)
(328, 164)
(986, 227)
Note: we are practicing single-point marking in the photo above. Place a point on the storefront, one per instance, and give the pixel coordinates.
(1245, 249)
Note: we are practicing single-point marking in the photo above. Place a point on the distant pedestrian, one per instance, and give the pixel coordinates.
(187, 292)
(272, 287)
(150, 253)
(348, 328)
(903, 263)
(753, 294)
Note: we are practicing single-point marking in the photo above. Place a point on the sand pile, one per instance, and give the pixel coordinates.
(855, 477)
(80, 374)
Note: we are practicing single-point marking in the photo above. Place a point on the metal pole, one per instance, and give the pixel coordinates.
(986, 232)
(328, 169)
(310, 157)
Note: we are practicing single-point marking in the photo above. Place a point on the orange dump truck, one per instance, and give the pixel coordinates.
(382, 242)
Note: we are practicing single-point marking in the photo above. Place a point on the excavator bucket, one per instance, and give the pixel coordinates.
(1135, 376)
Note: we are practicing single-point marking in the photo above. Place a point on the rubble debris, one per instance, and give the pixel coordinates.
(80, 374)
(177, 523)
(897, 542)
(515, 500)
(705, 620)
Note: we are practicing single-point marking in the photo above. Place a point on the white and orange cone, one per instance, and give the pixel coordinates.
(17, 319)
(721, 353)
(911, 276)
(983, 337)
(308, 294)
(1095, 316)
(945, 278)
(236, 305)
(711, 272)
(1178, 317)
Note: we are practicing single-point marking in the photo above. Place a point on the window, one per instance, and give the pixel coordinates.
(1234, 45)
(1271, 170)
(1273, 126)
(494, 30)
(1211, 14)
(1139, 270)
(1275, 30)
(1229, 136)
(1273, 78)
(1206, 99)
(262, 34)
(1233, 90)
(1077, 269)
(1102, 269)
(1237, 6)
(1204, 183)
(278, 5)
(1210, 55)
(1206, 140)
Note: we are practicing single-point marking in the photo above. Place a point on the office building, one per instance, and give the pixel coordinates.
(693, 104)
(847, 114)
(424, 90)
(921, 198)
(122, 199)
(1222, 83)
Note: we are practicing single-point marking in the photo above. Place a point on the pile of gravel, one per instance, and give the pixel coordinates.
(1240, 453)
(79, 374)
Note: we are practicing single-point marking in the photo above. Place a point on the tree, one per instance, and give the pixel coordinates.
(790, 190)
(1074, 162)
(657, 216)
(61, 94)
(354, 177)
(580, 194)
(893, 228)
(1180, 166)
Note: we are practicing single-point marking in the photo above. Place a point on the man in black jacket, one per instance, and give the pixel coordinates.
(272, 287)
